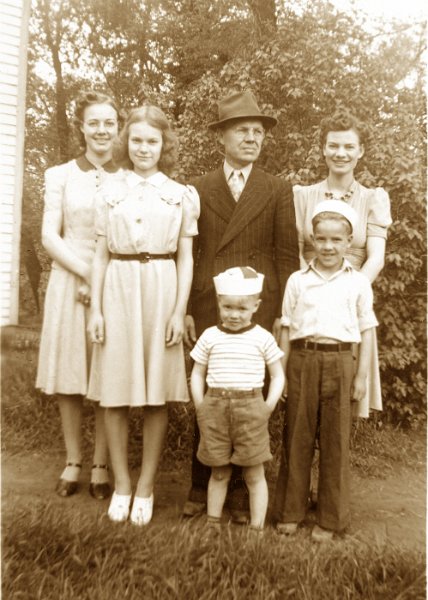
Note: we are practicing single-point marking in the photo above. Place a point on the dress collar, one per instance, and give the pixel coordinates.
(156, 180)
(85, 165)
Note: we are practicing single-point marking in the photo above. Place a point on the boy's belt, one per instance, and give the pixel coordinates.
(307, 345)
(142, 256)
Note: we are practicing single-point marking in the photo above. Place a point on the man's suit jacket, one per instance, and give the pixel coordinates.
(257, 231)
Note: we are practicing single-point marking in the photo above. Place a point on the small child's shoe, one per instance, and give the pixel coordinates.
(211, 531)
(142, 510)
(321, 535)
(119, 507)
(287, 528)
(255, 533)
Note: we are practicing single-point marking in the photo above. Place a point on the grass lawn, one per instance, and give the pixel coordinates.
(49, 556)
(53, 553)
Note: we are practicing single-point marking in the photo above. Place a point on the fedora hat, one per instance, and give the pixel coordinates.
(241, 105)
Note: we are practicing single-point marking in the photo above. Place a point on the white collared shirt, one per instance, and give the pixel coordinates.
(228, 170)
(338, 307)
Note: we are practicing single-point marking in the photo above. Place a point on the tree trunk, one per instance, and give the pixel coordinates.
(264, 13)
(53, 40)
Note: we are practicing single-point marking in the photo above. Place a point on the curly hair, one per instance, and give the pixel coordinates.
(343, 120)
(155, 117)
(85, 99)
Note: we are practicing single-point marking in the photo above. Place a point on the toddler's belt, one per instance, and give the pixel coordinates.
(142, 256)
(307, 345)
(233, 392)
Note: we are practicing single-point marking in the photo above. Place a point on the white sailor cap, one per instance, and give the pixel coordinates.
(337, 206)
(239, 281)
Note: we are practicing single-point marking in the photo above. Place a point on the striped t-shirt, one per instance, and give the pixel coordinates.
(236, 360)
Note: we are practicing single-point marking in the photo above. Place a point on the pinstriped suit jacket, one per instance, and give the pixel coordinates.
(258, 231)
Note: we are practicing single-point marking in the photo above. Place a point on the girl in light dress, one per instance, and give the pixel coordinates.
(141, 282)
(68, 236)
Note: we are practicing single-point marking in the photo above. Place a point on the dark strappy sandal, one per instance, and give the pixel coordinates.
(100, 491)
(64, 487)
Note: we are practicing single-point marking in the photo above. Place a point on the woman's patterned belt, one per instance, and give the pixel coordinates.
(142, 256)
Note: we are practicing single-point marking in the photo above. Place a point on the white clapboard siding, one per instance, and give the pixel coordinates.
(14, 17)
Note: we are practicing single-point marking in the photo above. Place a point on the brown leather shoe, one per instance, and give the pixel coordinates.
(287, 528)
(321, 535)
(65, 487)
(239, 517)
(100, 491)
(192, 509)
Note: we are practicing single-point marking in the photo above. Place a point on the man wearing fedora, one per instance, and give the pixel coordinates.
(247, 218)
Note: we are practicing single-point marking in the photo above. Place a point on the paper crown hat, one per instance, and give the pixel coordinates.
(337, 206)
(239, 281)
(242, 105)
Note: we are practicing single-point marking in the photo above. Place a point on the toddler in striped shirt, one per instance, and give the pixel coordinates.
(226, 383)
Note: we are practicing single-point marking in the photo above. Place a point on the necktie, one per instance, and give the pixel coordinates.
(236, 184)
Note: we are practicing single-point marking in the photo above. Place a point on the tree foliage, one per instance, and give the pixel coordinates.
(302, 61)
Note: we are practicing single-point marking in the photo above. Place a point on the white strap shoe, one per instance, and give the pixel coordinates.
(142, 510)
(119, 507)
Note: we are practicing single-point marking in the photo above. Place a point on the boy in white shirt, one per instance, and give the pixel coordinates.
(327, 307)
(232, 414)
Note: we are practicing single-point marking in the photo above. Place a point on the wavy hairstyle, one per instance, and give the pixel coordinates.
(85, 99)
(155, 117)
(343, 120)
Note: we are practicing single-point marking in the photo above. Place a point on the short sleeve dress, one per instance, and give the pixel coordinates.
(134, 367)
(373, 208)
(64, 355)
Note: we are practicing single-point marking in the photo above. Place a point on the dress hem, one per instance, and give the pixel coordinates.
(184, 401)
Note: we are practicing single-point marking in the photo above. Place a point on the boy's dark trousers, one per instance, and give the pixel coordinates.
(319, 391)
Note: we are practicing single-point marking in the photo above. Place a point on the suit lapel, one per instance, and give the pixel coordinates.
(219, 198)
(252, 202)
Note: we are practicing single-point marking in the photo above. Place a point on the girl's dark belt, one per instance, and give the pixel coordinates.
(307, 345)
(142, 256)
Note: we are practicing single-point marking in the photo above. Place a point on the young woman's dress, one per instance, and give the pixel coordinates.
(64, 356)
(134, 367)
(374, 217)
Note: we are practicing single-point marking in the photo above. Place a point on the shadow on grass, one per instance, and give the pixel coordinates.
(47, 555)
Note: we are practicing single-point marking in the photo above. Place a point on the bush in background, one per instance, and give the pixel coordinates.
(315, 63)
(302, 61)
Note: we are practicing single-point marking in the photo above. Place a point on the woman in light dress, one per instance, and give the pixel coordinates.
(141, 282)
(342, 140)
(68, 236)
